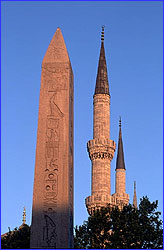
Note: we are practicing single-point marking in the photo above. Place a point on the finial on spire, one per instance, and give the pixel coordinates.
(102, 33)
(120, 122)
(134, 185)
(24, 216)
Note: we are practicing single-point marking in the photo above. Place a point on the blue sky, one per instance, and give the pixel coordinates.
(133, 45)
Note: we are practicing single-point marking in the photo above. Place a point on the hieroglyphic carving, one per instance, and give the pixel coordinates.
(49, 232)
(51, 185)
(50, 205)
(54, 109)
(55, 77)
(53, 136)
(55, 68)
(53, 130)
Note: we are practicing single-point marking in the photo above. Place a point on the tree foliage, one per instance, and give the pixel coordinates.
(19, 238)
(129, 228)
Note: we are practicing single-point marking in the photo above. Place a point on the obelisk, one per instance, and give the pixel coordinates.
(52, 212)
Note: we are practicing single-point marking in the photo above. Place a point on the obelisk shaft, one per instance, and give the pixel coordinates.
(52, 213)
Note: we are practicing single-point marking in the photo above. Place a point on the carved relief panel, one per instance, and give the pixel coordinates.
(52, 171)
(55, 77)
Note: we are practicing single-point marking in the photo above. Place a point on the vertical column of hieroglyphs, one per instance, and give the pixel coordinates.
(52, 215)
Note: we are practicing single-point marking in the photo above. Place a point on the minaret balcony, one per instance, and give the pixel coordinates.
(121, 199)
(101, 148)
(121, 195)
(98, 201)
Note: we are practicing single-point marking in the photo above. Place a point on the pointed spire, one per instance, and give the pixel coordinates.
(120, 164)
(102, 86)
(24, 216)
(57, 51)
(135, 196)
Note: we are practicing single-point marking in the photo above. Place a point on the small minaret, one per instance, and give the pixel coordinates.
(135, 196)
(120, 186)
(101, 149)
(24, 216)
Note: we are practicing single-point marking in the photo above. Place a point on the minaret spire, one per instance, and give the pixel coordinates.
(102, 86)
(24, 216)
(135, 196)
(120, 164)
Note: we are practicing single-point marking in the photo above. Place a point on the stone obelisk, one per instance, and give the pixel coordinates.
(52, 212)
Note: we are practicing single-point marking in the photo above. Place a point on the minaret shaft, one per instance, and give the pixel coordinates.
(101, 177)
(101, 116)
(101, 168)
(120, 181)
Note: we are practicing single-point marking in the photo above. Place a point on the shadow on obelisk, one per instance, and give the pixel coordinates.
(52, 229)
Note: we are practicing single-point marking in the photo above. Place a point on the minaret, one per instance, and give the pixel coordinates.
(24, 219)
(101, 149)
(120, 186)
(135, 196)
(24, 216)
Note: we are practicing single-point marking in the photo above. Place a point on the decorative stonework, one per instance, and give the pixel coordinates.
(55, 76)
(52, 171)
(49, 232)
(101, 149)
(95, 202)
